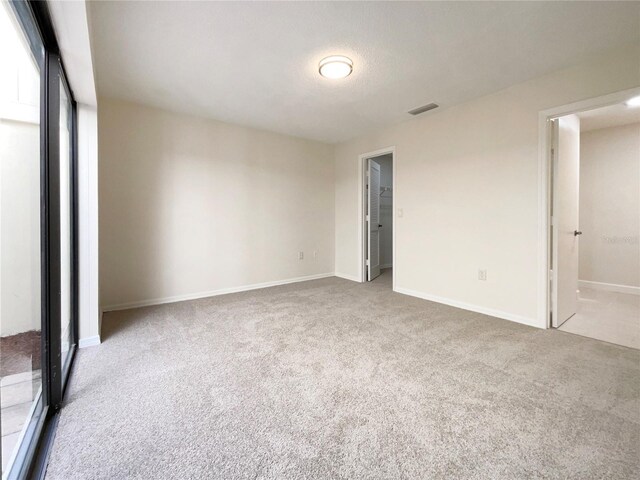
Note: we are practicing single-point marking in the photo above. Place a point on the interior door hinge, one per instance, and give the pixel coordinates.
(367, 263)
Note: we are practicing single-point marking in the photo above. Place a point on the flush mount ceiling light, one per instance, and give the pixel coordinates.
(335, 66)
(633, 102)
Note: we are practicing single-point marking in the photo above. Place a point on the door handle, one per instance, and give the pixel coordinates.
(576, 233)
(379, 225)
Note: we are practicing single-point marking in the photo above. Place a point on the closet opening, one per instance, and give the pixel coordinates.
(378, 225)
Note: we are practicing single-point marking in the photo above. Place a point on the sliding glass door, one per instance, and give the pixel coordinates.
(66, 227)
(37, 234)
(21, 378)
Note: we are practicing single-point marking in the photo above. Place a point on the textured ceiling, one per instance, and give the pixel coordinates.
(613, 116)
(255, 63)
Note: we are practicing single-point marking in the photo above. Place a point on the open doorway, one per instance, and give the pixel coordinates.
(595, 223)
(377, 219)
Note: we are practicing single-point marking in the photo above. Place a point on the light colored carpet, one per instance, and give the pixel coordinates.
(334, 379)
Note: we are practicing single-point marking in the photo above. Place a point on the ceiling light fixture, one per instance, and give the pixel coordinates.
(633, 102)
(335, 66)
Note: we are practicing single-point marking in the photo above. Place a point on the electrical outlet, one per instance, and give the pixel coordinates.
(400, 213)
(482, 275)
(315, 254)
(300, 255)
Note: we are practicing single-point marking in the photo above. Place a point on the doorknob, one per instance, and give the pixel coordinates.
(576, 233)
(379, 225)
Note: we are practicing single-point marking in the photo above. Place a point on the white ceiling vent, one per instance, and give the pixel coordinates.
(425, 108)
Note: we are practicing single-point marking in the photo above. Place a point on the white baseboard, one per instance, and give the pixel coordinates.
(89, 341)
(386, 265)
(346, 276)
(212, 293)
(609, 287)
(532, 322)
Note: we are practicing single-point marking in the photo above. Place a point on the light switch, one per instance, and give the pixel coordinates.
(400, 213)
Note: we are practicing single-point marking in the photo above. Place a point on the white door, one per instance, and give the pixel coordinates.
(373, 220)
(564, 218)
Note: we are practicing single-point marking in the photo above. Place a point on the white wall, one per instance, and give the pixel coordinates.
(71, 23)
(19, 183)
(610, 205)
(190, 206)
(72, 29)
(386, 211)
(467, 181)
(20, 227)
(88, 254)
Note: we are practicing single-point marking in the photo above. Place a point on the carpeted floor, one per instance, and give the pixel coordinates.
(335, 379)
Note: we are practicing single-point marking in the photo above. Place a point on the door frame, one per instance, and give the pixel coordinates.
(545, 245)
(362, 208)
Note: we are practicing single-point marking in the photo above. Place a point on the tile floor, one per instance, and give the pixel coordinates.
(609, 316)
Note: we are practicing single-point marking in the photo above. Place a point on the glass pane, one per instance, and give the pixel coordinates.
(65, 227)
(20, 260)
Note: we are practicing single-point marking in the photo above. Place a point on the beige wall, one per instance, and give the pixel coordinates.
(610, 205)
(190, 206)
(467, 181)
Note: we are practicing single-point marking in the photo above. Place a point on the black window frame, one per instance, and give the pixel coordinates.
(35, 21)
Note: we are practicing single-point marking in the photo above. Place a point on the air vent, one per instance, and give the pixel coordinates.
(425, 108)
